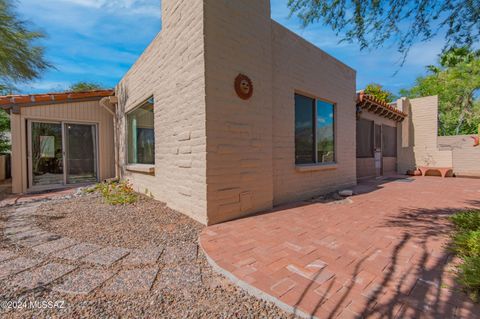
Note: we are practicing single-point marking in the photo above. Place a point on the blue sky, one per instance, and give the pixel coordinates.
(98, 40)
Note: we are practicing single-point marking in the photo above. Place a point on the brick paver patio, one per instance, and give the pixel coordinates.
(383, 254)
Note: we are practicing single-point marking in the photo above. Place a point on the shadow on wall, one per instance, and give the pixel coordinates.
(418, 282)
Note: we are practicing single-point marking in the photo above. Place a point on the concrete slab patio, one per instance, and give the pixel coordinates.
(383, 254)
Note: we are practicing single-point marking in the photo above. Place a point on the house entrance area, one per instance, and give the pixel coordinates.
(61, 153)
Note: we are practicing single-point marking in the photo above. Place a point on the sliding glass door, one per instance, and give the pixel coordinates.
(61, 153)
(46, 154)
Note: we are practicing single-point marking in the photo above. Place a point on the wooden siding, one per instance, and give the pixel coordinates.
(81, 112)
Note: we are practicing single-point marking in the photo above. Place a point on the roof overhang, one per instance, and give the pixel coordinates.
(15, 102)
(369, 103)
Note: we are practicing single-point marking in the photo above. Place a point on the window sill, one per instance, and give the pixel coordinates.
(315, 167)
(141, 168)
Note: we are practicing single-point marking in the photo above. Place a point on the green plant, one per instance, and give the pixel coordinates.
(468, 220)
(469, 276)
(379, 92)
(467, 243)
(117, 193)
(85, 86)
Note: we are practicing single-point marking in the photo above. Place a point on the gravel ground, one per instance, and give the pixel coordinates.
(144, 223)
(175, 294)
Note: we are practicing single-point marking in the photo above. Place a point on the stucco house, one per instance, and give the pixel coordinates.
(187, 137)
(225, 114)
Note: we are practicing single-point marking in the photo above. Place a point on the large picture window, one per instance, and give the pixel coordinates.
(314, 131)
(141, 134)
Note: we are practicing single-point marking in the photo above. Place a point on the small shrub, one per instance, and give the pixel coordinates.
(467, 243)
(469, 220)
(117, 193)
(469, 276)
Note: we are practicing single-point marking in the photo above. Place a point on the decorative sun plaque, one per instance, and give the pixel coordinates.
(243, 87)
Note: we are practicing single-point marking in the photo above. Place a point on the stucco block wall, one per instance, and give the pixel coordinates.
(239, 132)
(83, 112)
(299, 66)
(422, 149)
(219, 157)
(172, 70)
(465, 157)
(366, 167)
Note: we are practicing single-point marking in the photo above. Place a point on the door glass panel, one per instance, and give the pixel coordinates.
(47, 158)
(81, 156)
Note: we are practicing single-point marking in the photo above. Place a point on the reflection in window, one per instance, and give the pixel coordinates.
(314, 131)
(141, 134)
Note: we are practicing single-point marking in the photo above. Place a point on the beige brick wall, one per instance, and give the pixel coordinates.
(301, 67)
(239, 132)
(219, 157)
(172, 70)
(422, 149)
(465, 157)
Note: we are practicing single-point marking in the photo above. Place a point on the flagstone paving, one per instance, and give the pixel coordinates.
(382, 254)
(158, 273)
(94, 260)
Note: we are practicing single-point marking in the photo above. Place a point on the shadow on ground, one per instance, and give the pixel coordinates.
(413, 286)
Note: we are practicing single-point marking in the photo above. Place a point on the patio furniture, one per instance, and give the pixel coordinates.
(442, 170)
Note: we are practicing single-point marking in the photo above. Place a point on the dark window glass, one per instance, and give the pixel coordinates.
(365, 138)
(325, 135)
(314, 131)
(304, 130)
(141, 134)
(389, 135)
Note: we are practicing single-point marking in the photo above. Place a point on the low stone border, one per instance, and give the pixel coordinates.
(257, 293)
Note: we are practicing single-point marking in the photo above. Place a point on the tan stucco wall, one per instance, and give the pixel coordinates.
(465, 157)
(219, 157)
(172, 71)
(366, 167)
(87, 111)
(419, 147)
(301, 67)
(239, 132)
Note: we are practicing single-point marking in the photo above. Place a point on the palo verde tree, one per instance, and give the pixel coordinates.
(20, 59)
(373, 22)
(456, 81)
(85, 86)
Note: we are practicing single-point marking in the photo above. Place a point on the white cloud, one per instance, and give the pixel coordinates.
(137, 7)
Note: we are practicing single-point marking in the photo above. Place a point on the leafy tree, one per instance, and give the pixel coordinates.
(4, 129)
(20, 58)
(456, 81)
(404, 22)
(85, 86)
(379, 92)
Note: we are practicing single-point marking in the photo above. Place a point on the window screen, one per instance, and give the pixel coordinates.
(364, 138)
(389, 135)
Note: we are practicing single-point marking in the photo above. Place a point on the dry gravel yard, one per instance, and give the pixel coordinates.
(101, 261)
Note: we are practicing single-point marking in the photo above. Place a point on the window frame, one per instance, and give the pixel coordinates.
(127, 132)
(315, 129)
